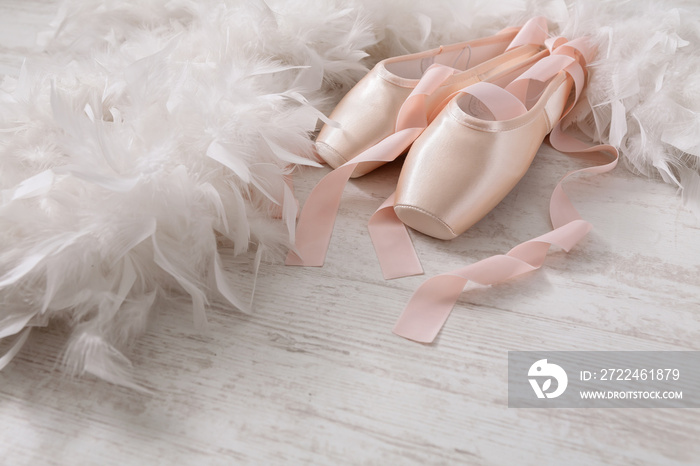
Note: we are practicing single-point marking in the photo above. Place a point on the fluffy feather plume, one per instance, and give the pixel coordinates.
(643, 93)
(152, 136)
(143, 128)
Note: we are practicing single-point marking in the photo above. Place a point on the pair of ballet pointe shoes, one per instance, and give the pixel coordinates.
(474, 151)
(471, 117)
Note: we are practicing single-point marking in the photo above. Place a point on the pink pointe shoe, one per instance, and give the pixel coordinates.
(368, 113)
(482, 143)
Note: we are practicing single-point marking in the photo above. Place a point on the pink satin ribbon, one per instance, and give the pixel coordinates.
(392, 243)
(534, 31)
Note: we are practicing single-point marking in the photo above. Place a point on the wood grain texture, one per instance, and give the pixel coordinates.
(316, 377)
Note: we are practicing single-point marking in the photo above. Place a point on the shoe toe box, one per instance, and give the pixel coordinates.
(421, 220)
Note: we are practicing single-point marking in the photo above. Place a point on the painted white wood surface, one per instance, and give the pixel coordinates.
(315, 376)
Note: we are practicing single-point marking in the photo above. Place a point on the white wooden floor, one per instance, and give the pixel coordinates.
(316, 376)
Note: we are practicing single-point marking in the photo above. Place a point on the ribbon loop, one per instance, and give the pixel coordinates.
(535, 31)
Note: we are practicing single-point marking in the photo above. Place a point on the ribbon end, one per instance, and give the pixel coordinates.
(410, 332)
(293, 259)
(392, 275)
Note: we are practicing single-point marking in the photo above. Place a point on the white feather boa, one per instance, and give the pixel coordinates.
(150, 136)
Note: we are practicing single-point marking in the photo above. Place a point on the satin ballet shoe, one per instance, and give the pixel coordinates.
(482, 143)
(368, 113)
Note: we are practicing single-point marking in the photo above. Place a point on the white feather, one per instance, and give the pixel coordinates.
(224, 156)
(618, 123)
(34, 186)
(690, 180)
